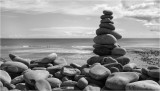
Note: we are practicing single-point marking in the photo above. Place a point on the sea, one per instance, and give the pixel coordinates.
(36, 48)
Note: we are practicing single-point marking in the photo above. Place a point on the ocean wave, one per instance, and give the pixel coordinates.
(49, 50)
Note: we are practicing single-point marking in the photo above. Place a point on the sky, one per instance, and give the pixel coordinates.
(77, 18)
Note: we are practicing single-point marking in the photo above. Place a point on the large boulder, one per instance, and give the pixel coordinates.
(145, 85)
(118, 80)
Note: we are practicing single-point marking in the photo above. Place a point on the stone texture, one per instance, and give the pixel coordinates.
(114, 69)
(102, 51)
(70, 71)
(4, 76)
(54, 82)
(82, 83)
(119, 51)
(119, 80)
(105, 39)
(107, 25)
(154, 72)
(43, 85)
(106, 16)
(17, 79)
(107, 20)
(123, 60)
(49, 58)
(117, 65)
(107, 12)
(94, 59)
(99, 72)
(105, 46)
(69, 83)
(145, 85)
(60, 61)
(108, 60)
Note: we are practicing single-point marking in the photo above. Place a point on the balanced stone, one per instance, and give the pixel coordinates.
(108, 60)
(102, 51)
(123, 60)
(118, 80)
(54, 82)
(145, 85)
(106, 16)
(99, 72)
(119, 51)
(15, 67)
(105, 46)
(82, 83)
(107, 12)
(107, 25)
(30, 76)
(70, 71)
(92, 87)
(106, 20)
(129, 67)
(43, 85)
(4, 76)
(105, 39)
(19, 59)
(102, 31)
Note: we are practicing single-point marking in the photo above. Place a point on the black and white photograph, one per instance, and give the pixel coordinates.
(80, 45)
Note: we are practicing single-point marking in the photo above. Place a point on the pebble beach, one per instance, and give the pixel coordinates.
(107, 66)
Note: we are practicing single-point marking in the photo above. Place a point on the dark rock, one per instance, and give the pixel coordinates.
(155, 73)
(82, 83)
(107, 20)
(74, 65)
(85, 71)
(106, 16)
(94, 59)
(69, 83)
(18, 79)
(21, 86)
(49, 59)
(119, 51)
(59, 75)
(117, 65)
(107, 25)
(107, 12)
(105, 39)
(102, 51)
(77, 77)
(105, 46)
(114, 69)
(123, 60)
(108, 60)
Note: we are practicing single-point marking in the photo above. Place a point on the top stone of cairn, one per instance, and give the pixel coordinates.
(107, 12)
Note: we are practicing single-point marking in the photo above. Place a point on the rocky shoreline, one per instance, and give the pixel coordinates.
(111, 69)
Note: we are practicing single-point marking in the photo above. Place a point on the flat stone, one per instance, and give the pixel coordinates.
(15, 67)
(30, 76)
(102, 51)
(54, 69)
(54, 82)
(107, 12)
(118, 80)
(49, 58)
(114, 69)
(102, 31)
(145, 85)
(105, 39)
(69, 83)
(19, 59)
(70, 71)
(43, 85)
(60, 61)
(117, 65)
(107, 25)
(108, 60)
(39, 68)
(105, 46)
(94, 59)
(92, 87)
(4, 76)
(129, 67)
(107, 20)
(107, 16)
(123, 60)
(154, 72)
(82, 83)
(99, 72)
(119, 51)
(18, 79)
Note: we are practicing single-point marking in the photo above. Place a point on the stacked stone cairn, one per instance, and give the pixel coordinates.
(109, 71)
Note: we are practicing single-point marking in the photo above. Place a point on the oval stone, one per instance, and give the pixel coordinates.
(119, 51)
(102, 51)
(105, 39)
(123, 60)
(4, 76)
(107, 12)
(145, 85)
(43, 85)
(106, 16)
(15, 67)
(19, 59)
(129, 67)
(107, 20)
(105, 46)
(82, 83)
(99, 72)
(107, 25)
(30, 76)
(54, 82)
(118, 80)
(94, 59)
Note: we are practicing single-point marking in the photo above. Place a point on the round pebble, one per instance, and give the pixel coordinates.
(107, 25)
(107, 12)
(119, 51)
